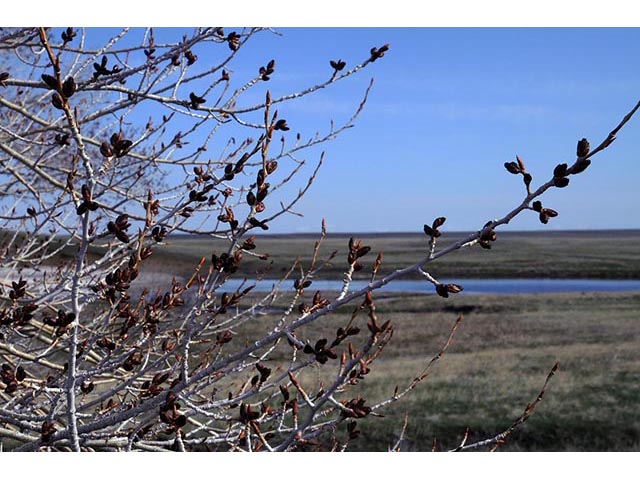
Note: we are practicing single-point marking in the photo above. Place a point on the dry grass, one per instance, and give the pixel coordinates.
(588, 254)
(497, 364)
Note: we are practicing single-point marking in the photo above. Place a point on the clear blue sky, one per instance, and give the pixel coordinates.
(449, 106)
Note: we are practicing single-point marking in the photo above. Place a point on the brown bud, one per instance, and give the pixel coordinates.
(560, 170)
(105, 150)
(583, 148)
(50, 81)
(512, 167)
(57, 102)
(438, 222)
(281, 125)
(561, 182)
(441, 289)
(337, 65)
(271, 166)
(69, 87)
(4, 76)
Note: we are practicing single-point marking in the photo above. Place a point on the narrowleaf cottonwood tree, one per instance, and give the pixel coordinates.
(96, 353)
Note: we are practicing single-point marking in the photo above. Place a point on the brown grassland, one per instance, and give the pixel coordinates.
(504, 348)
(502, 351)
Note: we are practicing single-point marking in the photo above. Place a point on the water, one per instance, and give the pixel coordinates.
(500, 286)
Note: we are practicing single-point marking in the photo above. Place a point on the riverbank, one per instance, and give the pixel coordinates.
(595, 254)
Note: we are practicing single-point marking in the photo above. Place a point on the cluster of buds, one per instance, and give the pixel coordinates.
(133, 360)
(444, 289)
(200, 196)
(262, 376)
(117, 146)
(189, 56)
(337, 65)
(377, 53)
(158, 233)
(560, 173)
(356, 251)
(281, 125)
(249, 244)
(61, 321)
(255, 200)
(46, 431)
(63, 91)
(223, 337)
(169, 414)
(518, 168)
(149, 52)
(119, 227)
(487, 236)
(171, 299)
(18, 289)
(20, 316)
(195, 101)
(201, 175)
(10, 378)
(544, 213)
(150, 205)
(228, 217)
(227, 301)
(320, 351)
(121, 278)
(355, 408)
(87, 202)
(247, 414)
(68, 35)
(101, 68)
(582, 150)
(129, 316)
(151, 388)
(233, 41)
(87, 386)
(266, 71)
(225, 262)
(342, 334)
(355, 375)
(106, 343)
(317, 301)
(432, 231)
(62, 139)
(372, 324)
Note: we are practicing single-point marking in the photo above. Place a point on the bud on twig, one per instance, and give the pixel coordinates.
(583, 148)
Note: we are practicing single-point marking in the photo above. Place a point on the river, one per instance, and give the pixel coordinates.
(471, 286)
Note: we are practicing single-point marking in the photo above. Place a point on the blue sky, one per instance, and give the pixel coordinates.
(449, 106)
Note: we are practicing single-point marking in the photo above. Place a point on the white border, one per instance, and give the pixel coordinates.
(336, 13)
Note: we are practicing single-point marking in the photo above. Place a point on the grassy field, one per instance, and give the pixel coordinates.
(497, 364)
(503, 350)
(588, 254)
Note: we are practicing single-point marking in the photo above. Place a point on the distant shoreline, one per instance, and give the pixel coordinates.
(460, 233)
